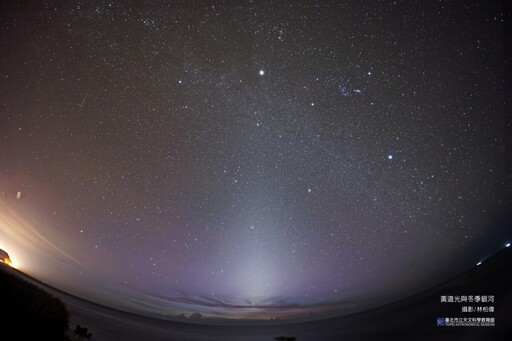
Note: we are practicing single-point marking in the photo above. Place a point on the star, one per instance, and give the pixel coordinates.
(262, 72)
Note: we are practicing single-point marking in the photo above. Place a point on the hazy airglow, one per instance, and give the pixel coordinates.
(23, 241)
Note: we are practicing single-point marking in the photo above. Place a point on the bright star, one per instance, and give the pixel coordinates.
(390, 157)
(262, 72)
(507, 245)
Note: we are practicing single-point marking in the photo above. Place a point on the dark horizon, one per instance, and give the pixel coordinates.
(412, 317)
(468, 278)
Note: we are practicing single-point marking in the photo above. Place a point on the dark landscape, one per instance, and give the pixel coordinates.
(413, 318)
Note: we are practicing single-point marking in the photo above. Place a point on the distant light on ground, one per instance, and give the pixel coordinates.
(507, 245)
(11, 264)
(478, 263)
(8, 262)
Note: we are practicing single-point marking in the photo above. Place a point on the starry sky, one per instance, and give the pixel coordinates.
(252, 159)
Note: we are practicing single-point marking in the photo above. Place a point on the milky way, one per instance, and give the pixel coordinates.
(252, 159)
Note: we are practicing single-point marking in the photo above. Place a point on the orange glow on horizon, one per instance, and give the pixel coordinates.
(7, 261)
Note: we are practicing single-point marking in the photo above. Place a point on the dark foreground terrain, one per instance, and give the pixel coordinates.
(413, 318)
(28, 312)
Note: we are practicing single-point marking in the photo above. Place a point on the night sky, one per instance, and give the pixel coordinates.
(252, 159)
